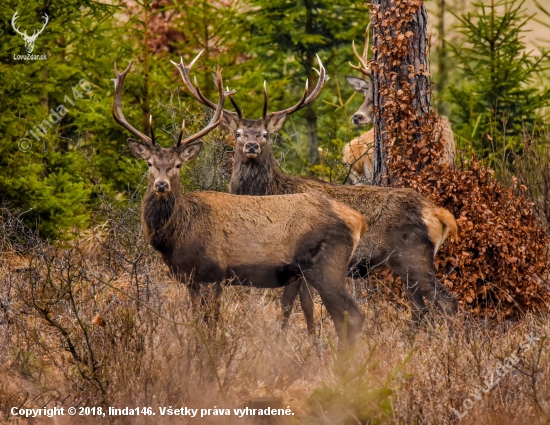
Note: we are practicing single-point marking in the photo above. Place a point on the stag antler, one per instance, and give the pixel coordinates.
(218, 113)
(306, 99)
(363, 61)
(117, 103)
(118, 114)
(194, 89)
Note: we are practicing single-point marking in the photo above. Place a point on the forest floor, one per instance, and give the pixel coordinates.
(148, 349)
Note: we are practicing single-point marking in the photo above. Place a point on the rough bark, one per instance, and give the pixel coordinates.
(401, 83)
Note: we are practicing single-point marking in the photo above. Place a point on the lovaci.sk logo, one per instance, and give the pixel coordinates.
(29, 39)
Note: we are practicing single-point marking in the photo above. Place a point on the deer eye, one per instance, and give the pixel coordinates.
(178, 166)
(149, 164)
(238, 134)
(265, 134)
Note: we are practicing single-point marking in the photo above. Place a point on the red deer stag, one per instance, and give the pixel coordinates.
(404, 228)
(265, 242)
(358, 154)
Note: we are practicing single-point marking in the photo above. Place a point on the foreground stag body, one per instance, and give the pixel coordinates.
(404, 229)
(359, 153)
(207, 238)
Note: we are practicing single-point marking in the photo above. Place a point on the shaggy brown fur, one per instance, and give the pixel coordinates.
(358, 155)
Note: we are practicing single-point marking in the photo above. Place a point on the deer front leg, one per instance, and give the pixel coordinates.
(206, 297)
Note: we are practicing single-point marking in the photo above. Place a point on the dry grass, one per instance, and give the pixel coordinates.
(154, 352)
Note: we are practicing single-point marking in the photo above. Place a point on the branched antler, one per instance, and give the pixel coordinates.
(116, 107)
(304, 101)
(363, 60)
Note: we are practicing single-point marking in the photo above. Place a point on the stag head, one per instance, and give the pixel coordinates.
(164, 163)
(29, 39)
(252, 135)
(364, 115)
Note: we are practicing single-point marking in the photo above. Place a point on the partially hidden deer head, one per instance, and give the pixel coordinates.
(364, 114)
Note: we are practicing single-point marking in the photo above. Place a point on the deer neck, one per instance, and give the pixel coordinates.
(158, 216)
(256, 178)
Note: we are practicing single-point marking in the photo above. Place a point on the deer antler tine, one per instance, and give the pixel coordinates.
(218, 113)
(152, 130)
(367, 38)
(358, 68)
(354, 49)
(116, 107)
(319, 61)
(322, 68)
(264, 114)
(236, 106)
(194, 60)
(180, 136)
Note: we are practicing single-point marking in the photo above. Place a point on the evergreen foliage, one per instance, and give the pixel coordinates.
(59, 178)
(501, 93)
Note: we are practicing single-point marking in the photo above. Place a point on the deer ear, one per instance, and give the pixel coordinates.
(230, 122)
(139, 150)
(274, 122)
(189, 152)
(358, 84)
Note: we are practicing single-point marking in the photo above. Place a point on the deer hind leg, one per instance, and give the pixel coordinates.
(414, 264)
(328, 278)
(290, 292)
(306, 300)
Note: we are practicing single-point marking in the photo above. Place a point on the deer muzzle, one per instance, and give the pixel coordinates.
(360, 118)
(162, 186)
(251, 149)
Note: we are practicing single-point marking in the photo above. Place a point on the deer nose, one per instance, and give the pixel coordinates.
(161, 186)
(357, 118)
(252, 147)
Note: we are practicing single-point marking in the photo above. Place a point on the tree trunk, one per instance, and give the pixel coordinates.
(401, 83)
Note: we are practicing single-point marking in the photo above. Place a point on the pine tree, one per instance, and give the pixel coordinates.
(500, 93)
(39, 172)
